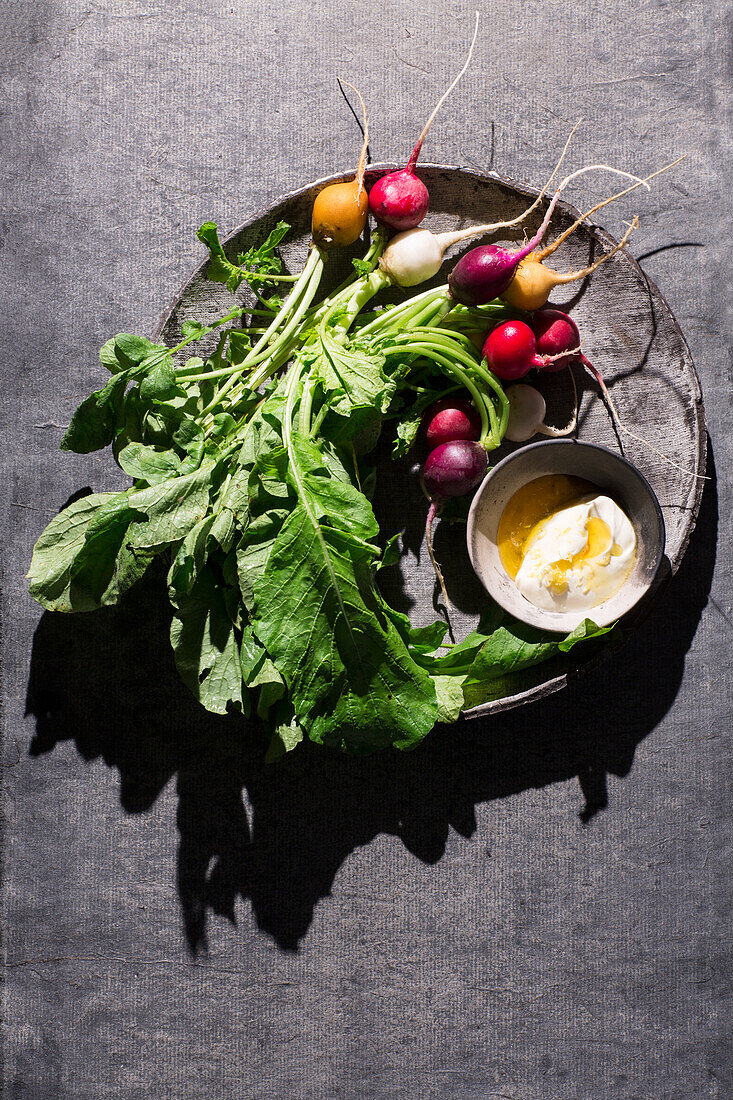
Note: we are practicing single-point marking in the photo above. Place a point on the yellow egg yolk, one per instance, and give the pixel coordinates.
(534, 502)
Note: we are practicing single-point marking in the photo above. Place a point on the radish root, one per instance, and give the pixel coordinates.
(622, 427)
(418, 147)
(446, 240)
(550, 248)
(361, 167)
(571, 276)
(433, 511)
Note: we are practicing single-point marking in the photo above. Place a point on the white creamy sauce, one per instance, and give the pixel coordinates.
(579, 557)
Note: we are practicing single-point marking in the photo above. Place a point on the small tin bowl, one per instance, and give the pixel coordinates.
(615, 476)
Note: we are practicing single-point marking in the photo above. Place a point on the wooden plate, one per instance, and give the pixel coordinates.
(628, 331)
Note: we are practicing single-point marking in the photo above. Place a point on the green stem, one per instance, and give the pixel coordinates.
(290, 316)
(320, 417)
(155, 359)
(269, 278)
(370, 286)
(306, 405)
(385, 320)
(432, 314)
(292, 304)
(498, 389)
(485, 409)
(344, 290)
(436, 339)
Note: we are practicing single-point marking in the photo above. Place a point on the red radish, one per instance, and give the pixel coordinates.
(400, 200)
(558, 339)
(510, 350)
(451, 470)
(555, 333)
(484, 273)
(449, 419)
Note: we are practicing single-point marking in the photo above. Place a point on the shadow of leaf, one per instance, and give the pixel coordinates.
(107, 681)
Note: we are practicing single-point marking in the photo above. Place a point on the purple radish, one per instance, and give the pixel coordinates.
(400, 200)
(485, 272)
(452, 470)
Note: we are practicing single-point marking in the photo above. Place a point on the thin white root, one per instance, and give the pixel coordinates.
(632, 435)
(429, 540)
(584, 272)
(361, 169)
(553, 202)
(418, 147)
(448, 239)
(545, 252)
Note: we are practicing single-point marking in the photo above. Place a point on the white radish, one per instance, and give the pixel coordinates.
(527, 410)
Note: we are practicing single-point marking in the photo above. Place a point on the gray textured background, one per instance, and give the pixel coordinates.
(535, 907)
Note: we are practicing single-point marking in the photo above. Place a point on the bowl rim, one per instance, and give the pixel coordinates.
(538, 612)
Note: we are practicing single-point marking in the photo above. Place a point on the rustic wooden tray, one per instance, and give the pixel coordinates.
(629, 333)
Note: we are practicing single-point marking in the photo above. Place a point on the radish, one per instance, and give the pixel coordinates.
(527, 411)
(400, 200)
(557, 336)
(485, 272)
(532, 283)
(510, 350)
(558, 344)
(416, 255)
(340, 210)
(449, 419)
(452, 470)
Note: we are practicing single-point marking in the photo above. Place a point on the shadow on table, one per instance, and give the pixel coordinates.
(107, 681)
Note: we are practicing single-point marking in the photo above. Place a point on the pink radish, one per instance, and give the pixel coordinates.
(449, 419)
(557, 333)
(400, 200)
